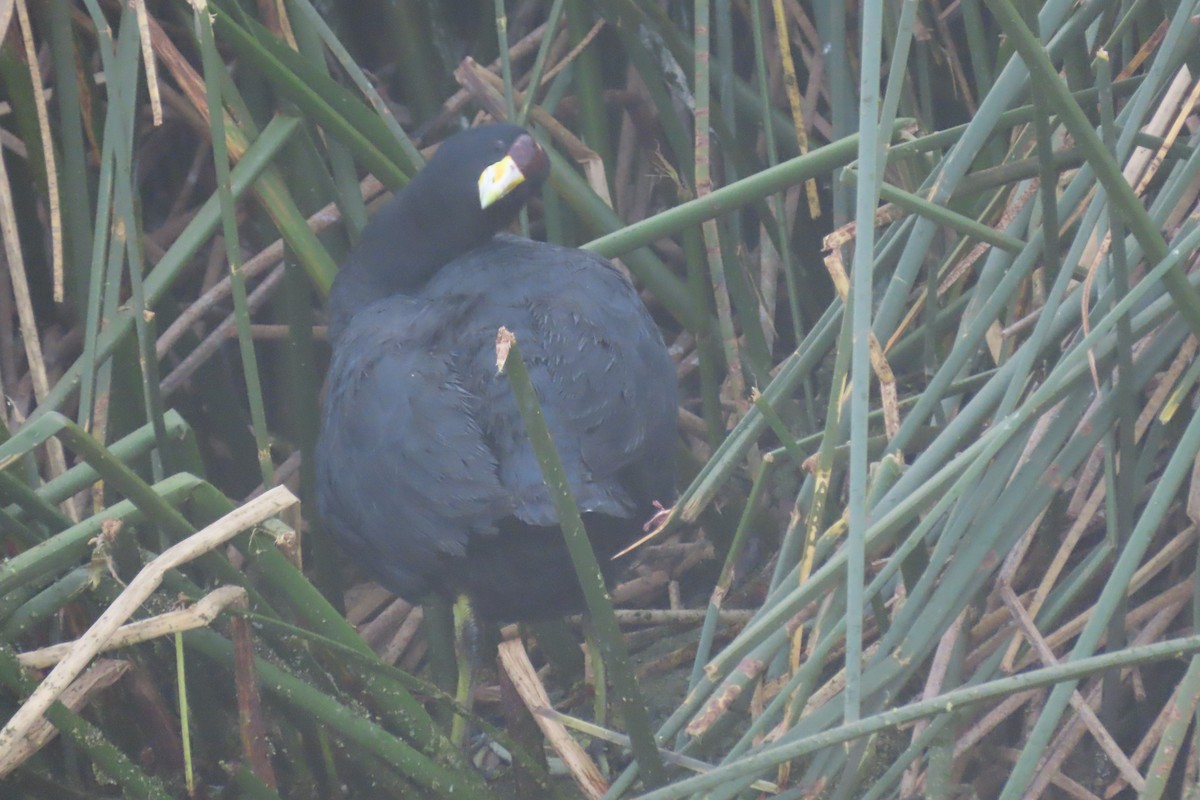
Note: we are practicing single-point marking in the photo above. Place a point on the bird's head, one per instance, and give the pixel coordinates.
(491, 170)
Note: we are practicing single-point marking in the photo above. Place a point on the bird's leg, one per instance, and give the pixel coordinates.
(599, 682)
(524, 730)
(466, 636)
(559, 647)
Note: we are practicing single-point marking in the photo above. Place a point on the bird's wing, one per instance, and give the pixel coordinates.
(604, 380)
(404, 474)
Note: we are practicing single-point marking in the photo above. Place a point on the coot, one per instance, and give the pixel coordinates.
(425, 474)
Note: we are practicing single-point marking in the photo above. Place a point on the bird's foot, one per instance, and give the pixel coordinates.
(658, 519)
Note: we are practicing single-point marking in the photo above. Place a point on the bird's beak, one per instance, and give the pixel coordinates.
(498, 180)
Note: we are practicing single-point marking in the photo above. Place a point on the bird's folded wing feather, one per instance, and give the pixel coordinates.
(603, 378)
(406, 467)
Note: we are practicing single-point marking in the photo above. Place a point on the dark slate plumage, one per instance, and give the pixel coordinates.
(424, 470)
